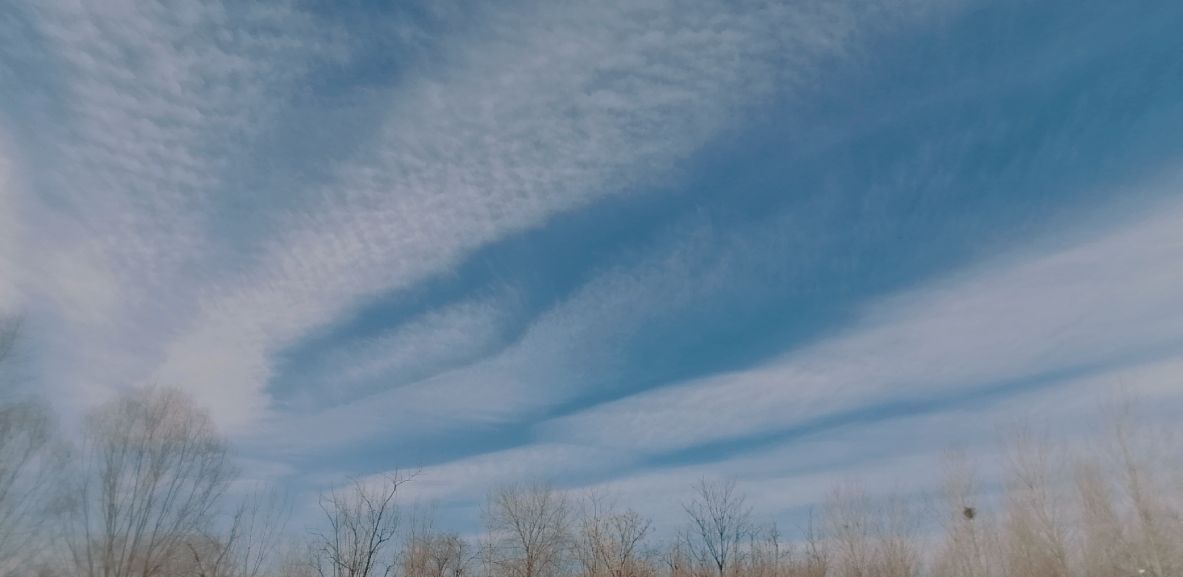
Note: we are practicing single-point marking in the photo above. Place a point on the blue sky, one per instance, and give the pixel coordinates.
(612, 244)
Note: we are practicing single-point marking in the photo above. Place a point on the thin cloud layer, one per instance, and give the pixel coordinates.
(1085, 306)
(537, 116)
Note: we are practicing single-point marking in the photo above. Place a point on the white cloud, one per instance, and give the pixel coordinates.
(428, 342)
(571, 349)
(467, 480)
(1093, 303)
(1076, 297)
(139, 110)
(906, 454)
(885, 454)
(567, 350)
(544, 111)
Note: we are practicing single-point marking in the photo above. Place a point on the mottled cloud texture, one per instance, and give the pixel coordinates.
(619, 244)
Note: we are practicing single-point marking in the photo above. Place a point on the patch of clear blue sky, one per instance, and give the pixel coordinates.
(920, 155)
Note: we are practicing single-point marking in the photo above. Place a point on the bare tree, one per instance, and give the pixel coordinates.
(429, 553)
(1144, 458)
(150, 475)
(608, 541)
(869, 537)
(362, 522)
(970, 544)
(529, 530)
(720, 521)
(848, 528)
(676, 561)
(897, 552)
(1104, 540)
(438, 555)
(248, 545)
(816, 557)
(1036, 524)
(28, 467)
(294, 558)
(768, 555)
(30, 464)
(25, 437)
(416, 553)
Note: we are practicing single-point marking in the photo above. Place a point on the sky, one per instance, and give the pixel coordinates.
(614, 245)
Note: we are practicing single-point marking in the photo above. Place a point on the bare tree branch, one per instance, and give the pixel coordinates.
(149, 478)
(529, 531)
(362, 521)
(720, 522)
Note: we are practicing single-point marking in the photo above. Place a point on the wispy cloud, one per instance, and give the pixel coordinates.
(154, 228)
(423, 345)
(1065, 303)
(568, 350)
(1081, 305)
(466, 480)
(889, 454)
(544, 111)
(124, 133)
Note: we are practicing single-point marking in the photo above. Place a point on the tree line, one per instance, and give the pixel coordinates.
(147, 492)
